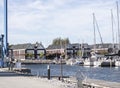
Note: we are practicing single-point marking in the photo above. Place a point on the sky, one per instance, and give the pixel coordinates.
(31, 21)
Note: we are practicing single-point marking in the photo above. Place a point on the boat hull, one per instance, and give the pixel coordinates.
(108, 64)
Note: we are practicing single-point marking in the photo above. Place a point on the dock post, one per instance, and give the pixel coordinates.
(38, 74)
(48, 68)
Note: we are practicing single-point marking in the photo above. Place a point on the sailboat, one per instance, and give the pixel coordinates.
(109, 60)
(115, 59)
(93, 60)
(77, 61)
(117, 62)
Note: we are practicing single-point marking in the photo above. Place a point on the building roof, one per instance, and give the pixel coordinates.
(20, 46)
(76, 45)
(39, 45)
(105, 45)
(55, 47)
(27, 46)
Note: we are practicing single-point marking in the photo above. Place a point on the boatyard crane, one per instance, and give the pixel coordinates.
(4, 37)
(6, 27)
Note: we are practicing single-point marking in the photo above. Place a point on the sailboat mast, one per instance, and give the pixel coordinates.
(112, 27)
(94, 32)
(118, 25)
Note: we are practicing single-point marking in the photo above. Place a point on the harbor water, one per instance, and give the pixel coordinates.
(103, 73)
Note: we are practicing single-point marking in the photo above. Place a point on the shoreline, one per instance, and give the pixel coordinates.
(24, 81)
(11, 79)
(41, 62)
(15, 80)
(31, 82)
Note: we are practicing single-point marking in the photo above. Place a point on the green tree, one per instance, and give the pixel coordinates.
(41, 54)
(79, 53)
(31, 55)
(59, 41)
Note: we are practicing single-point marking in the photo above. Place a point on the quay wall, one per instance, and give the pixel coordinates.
(42, 62)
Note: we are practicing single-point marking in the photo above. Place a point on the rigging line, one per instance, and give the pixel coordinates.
(114, 23)
(98, 31)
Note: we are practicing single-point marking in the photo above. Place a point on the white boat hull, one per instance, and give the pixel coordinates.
(88, 63)
(97, 63)
(117, 63)
(108, 64)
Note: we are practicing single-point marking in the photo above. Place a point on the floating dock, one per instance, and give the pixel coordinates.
(22, 70)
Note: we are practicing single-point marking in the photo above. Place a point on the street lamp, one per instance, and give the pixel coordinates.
(74, 51)
(61, 67)
(35, 51)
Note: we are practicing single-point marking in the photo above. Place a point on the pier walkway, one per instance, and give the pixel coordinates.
(93, 83)
(28, 82)
(9, 79)
(13, 80)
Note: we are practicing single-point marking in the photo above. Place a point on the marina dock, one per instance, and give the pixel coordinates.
(11, 79)
(93, 83)
(42, 62)
(40, 82)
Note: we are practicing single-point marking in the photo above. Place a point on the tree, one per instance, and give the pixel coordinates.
(29, 55)
(41, 54)
(79, 53)
(59, 41)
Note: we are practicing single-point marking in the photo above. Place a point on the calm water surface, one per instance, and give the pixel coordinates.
(103, 73)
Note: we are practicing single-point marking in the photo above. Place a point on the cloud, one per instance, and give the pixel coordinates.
(1, 17)
(44, 20)
(1, 3)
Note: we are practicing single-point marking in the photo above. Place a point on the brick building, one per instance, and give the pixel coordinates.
(27, 51)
